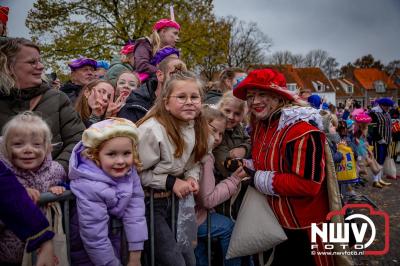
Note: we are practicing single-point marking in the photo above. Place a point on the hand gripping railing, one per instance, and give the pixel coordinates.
(65, 197)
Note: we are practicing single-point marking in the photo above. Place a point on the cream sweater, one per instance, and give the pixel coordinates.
(156, 152)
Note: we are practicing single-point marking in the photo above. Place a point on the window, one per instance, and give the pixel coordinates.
(291, 86)
(350, 89)
(379, 86)
(318, 85)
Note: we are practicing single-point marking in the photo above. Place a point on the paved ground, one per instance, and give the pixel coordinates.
(387, 199)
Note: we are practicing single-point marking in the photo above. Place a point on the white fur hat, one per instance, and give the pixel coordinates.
(107, 129)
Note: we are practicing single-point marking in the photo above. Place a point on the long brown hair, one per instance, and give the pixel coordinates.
(81, 106)
(172, 124)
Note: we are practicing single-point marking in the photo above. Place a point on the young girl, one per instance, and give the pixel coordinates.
(235, 142)
(96, 102)
(211, 195)
(127, 82)
(26, 150)
(365, 155)
(165, 33)
(173, 139)
(105, 182)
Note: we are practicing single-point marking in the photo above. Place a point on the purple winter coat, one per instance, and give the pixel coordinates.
(99, 196)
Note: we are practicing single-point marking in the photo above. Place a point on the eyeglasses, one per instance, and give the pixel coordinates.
(182, 99)
(32, 62)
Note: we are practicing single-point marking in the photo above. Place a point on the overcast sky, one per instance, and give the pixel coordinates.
(346, 29)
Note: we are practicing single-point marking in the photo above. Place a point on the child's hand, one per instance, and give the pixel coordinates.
(240, 173)
(134, 258)
(58, 190)
(96, 103)
(45, 255)
(34, 194)
(114, 107)
(181, 188)
(194, 185)
(239, 152)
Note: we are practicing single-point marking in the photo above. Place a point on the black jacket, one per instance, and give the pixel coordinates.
(140, 101)
(72, 90)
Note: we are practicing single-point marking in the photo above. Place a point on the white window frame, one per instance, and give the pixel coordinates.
(350, 88)
(379, 86)
(291, 86)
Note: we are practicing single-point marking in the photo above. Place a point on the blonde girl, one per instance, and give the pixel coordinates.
(235, 142)
(105, 182)
(172, 141)
(212, 194)
(165, 33)
(26, 150)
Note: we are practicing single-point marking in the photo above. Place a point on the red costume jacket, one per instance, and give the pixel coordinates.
(296, 154)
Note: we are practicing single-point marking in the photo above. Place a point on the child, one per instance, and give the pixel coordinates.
(235, 142)
(127, 82)
(105, 183)
(211, 195)
(26, 150)
(173, 140)
(332, 136)
(165, 33)
(365, 155)
(95, 102)
(24, 218)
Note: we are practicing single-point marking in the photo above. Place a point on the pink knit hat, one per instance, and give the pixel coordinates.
(164, 23)
(362, 118)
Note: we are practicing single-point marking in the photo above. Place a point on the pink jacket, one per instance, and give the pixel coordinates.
(211, 195)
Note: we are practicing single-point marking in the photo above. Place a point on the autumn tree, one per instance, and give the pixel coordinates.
(98, 28)
(247, 44)
(365, 61)
(368, 61)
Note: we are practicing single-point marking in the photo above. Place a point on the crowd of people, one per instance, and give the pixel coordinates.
(144, 126)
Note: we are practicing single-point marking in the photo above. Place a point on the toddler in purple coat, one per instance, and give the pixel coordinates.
(104, 180)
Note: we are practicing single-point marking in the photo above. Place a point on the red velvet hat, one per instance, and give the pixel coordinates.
(4, 14)
(264, 79)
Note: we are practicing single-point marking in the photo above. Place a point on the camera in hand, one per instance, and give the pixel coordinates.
(233, 164)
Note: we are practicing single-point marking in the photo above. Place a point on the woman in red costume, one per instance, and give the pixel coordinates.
(289, 162)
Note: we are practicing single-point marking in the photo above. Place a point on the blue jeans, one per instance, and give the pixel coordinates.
(221, 227)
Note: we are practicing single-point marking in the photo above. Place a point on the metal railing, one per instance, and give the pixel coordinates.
(65, 197)
(116, 224)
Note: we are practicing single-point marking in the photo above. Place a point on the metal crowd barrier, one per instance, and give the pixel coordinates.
(151, 236)
(66, 197)
(116, 224)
